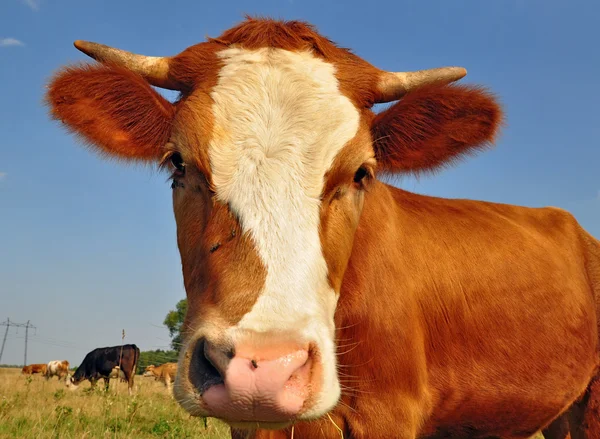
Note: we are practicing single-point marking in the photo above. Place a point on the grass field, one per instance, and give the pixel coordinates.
(31, 407)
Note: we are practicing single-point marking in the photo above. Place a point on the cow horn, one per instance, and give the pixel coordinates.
(393, 85)
(153, 69)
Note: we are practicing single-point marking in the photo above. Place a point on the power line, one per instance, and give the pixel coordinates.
(27, 325)
(48, 342)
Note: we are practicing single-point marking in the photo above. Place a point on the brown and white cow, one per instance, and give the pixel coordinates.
(58, 368)
(33, 369)
(319, 293)
(166, 373)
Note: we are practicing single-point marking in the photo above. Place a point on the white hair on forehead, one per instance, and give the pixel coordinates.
(279, 122)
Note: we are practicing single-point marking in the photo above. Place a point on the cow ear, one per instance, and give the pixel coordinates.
(434, 127)
(111, 109)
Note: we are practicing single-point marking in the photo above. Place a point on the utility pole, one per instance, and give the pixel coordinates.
(7, 323)
(26, 334)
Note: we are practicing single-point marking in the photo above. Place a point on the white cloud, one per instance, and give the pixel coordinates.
(3, 175)
(33, 4)
(5, 42)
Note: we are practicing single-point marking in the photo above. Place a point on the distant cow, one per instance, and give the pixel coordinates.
(32, 369)
(100, 363)
(165, 372)
(118, 373)
(57, 368)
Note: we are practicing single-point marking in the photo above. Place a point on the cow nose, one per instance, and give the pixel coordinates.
(205, 372)
(252, 383)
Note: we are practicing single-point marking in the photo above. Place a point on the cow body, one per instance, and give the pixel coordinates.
(100, 363)
(58, 368)
(321, 297)
(165, 373)
(33, 369)
(488, 320)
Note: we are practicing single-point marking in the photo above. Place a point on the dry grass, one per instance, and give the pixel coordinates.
(31, 407)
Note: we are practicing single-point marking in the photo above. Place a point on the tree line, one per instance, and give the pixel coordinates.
(174, 323)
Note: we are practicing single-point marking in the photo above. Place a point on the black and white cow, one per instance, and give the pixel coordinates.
(100, 362)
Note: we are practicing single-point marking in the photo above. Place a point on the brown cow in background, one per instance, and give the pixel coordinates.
(34, 369)
(166, 373)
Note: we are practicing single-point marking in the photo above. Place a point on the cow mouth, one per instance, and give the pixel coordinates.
(265, 425)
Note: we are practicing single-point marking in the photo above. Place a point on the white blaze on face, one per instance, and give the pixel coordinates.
(70, 384)
(280, 120)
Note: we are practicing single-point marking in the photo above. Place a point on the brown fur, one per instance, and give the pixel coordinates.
(427, 299)
(342, 204)
(357, 78)
(165, 373)
(210, 277)
(558, 429)
(466, 318)
(33, 369)
(582, 419)
(112, 108)
(198, 65)
(433, 127)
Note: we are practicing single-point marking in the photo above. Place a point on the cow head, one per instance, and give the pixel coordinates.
(71, 382)
(149, 371)
(272, 147)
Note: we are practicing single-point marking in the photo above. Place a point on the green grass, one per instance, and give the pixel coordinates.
(31, 407)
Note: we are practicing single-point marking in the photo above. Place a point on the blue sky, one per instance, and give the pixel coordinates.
(87, 247)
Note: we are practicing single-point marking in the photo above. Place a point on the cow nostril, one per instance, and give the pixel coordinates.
(203, 373)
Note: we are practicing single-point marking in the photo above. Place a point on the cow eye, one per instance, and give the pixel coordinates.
(178, 164)
(360, 175)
